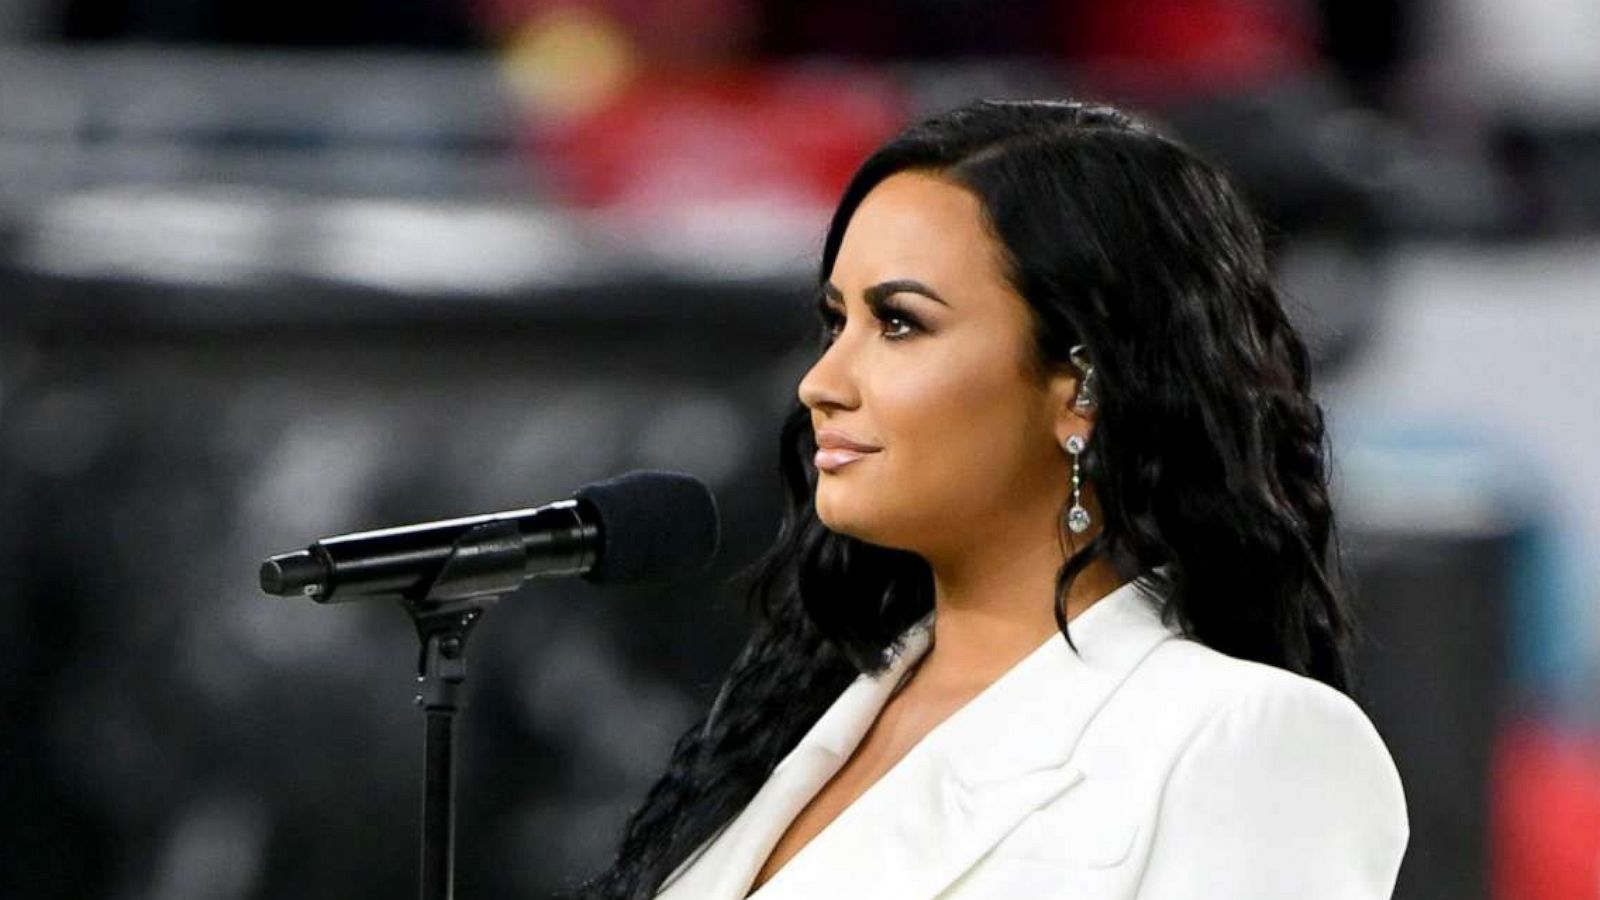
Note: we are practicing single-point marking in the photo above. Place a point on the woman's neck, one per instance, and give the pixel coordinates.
(990, 614)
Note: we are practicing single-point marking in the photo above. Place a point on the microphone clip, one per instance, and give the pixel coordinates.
(485, 563)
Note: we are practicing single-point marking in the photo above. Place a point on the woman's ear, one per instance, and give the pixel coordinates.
(1072, 416)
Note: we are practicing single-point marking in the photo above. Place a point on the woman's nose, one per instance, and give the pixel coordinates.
(829, 383)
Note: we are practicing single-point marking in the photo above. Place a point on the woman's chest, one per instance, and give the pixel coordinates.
(920, 834)
(899, 728)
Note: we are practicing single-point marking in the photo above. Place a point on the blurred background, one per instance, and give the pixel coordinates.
(272, 271)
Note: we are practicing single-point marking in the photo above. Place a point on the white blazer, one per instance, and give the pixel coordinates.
(1151, 767)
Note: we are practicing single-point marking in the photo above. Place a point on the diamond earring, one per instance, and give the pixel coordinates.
(1077, 517)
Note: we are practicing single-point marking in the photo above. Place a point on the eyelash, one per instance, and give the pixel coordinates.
(886, 312)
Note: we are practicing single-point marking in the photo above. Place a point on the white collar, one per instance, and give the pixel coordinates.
(1030, 716)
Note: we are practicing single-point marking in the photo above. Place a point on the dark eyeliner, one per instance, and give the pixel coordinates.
(827, 316)
(883, 310)
(887, 309)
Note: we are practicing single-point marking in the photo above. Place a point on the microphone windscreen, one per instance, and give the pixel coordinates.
(654, 526)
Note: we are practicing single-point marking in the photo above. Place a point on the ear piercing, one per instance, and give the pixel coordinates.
(1079, 354)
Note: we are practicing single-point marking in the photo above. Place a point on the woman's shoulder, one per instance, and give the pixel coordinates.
(1260, 723)
(1209, 683)
(1257, 759)
(1185, 699)
(1226, 759)
(1196, 682)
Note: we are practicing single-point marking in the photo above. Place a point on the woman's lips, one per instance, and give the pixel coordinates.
(832, 460)
(836, 449)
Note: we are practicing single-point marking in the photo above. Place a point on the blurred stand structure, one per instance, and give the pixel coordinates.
(253, 295)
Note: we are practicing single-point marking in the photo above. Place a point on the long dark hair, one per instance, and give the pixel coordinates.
(1208, 455)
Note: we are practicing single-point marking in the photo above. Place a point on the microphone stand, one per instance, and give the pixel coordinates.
(485, 563)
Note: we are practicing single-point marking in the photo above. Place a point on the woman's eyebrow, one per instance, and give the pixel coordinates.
(882, 291)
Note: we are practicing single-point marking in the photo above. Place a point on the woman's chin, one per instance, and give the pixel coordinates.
(866, 526)
(835, 522)
(842, 516)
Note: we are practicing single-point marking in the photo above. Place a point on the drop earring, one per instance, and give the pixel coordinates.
(1077, 517)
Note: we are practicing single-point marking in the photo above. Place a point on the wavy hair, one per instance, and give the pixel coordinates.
(1208, 455)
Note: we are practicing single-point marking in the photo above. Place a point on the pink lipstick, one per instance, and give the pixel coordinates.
(835, 449)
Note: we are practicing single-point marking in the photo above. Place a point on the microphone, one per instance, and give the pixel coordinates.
(638, 527)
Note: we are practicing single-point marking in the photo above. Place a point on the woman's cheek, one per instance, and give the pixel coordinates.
(944, 424)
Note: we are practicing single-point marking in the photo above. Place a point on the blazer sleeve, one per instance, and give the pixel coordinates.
(1286, 792)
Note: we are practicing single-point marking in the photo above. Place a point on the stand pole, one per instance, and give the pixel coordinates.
(440, 704)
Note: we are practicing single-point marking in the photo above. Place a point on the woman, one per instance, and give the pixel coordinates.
(1055, 609)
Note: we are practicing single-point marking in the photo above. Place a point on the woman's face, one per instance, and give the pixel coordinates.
(929, 366)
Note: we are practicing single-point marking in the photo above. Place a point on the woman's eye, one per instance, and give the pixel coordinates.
(904, 330)
(896, 325)
(832, 324)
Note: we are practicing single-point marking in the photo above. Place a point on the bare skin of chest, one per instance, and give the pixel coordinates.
(904, 721)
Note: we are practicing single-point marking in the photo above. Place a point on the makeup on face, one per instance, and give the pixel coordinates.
(837, 449)
(923, 343)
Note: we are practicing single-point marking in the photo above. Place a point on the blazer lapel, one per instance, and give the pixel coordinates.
(971, 781)
(724, 868)
(1009, 751)
(980, 772)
